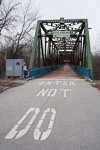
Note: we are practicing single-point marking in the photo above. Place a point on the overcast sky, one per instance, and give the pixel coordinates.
(73, 9)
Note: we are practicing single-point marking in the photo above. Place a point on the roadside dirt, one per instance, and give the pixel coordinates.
(96, 84)
(8, 83)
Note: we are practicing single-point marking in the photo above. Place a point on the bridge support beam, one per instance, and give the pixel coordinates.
(64, 43)
(89, 58)
(34, 46)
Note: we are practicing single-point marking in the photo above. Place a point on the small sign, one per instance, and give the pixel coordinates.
(17, 63)
(62, 34)
(66, 61)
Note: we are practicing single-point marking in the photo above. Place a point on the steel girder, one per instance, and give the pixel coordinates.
(50, 47)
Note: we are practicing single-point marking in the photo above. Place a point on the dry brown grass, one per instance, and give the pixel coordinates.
(5, 84)
(96, 84)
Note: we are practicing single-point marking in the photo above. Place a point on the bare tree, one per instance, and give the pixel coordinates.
(17, 33)
(96, 63)
(23, 34)
(0, 2)
(7, 16)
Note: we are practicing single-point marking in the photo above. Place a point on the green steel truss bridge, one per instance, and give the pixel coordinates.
(57, 42)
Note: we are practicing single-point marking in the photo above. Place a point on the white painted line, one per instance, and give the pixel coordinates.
(49, 83)
(57, 82)
(42, 83)
(53, 117)
(71, 83)
(52, 92)
(53, 111)
(47, 110)
(65, 91)
(39, 124)
(45, 134)
(30, 110)
(50, 125)
(42, 92)
(32, 120)
(65, 83)
(24, 131)
(37, 134)
(43, 116)
(14, 131)
(22, 119)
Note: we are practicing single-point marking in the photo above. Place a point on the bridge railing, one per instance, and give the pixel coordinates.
(38, 71)
(84, 71)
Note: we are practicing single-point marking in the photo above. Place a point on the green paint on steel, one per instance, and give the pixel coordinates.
(66, 20)
(85, 52)
(56, 27)
(38, 52)
(44, 28)
(73, 34)
(89, 58)
(34, 46)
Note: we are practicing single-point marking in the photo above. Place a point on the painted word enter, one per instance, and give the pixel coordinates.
(65, 83)
(52, 92)
(37, 134)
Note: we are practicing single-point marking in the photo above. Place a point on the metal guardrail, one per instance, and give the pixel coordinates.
(84, 71)
(38, 71)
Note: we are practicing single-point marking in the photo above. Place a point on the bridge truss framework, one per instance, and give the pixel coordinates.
(58, 50)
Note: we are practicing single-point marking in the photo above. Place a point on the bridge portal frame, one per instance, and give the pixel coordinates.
(86, 53)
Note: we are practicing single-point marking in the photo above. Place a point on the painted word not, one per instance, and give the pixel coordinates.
(52, 92)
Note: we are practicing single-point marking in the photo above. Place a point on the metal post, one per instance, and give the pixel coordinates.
(88, 49)
(85, 52)
(38, 52)
(34, 46)
(45, 49)
(42, 51)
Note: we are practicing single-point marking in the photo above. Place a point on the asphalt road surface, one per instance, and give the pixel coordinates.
(51, 113)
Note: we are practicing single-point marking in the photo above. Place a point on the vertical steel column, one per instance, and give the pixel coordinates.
(75, 56)
(85, 51)
(45, 49)
(82, 51)
(38, 52)
(42, 51)
(88, 49)
(73, 63)
(34, 46)
(52, 54)
(49, 48)
(78, 53)
(57, 57)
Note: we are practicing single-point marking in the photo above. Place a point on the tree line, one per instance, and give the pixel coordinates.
(96, 63)
(17, 24)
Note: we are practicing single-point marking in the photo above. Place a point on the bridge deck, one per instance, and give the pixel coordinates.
(64, 72)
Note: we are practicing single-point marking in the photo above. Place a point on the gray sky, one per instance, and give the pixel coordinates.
(74, 9)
